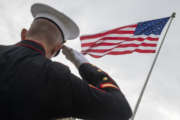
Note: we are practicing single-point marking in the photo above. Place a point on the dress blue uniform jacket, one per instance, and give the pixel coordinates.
(33, 87)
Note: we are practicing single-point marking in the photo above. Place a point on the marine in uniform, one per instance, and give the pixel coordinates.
(33, 87)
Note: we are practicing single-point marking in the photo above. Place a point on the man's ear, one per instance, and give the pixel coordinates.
(23, 34)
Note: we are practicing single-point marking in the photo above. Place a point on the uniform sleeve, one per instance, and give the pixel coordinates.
(97, 78)
(97, 96)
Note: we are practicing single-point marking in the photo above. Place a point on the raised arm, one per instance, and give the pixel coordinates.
(97, 96)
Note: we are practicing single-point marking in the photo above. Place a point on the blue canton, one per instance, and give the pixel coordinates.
(151, 27)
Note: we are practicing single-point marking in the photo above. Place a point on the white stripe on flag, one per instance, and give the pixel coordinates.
(127, 29)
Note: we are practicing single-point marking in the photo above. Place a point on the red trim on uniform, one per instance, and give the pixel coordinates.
(86, 63)
(38, 44)
(110, 85)
(92, 86)
(29, 46)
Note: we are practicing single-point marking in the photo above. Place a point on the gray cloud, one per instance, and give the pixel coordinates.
(161, 100)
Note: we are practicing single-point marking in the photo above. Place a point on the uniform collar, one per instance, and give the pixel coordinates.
(36, 46)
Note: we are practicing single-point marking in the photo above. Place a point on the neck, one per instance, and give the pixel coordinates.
(38, 41)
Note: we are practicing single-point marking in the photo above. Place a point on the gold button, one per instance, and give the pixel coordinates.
(99, 70)
(105, 78)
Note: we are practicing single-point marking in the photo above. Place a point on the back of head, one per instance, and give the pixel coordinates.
(44, 31)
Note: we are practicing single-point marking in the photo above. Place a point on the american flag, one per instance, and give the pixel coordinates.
(141, 37)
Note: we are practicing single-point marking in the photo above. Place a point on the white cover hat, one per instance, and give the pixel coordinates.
(68, 27)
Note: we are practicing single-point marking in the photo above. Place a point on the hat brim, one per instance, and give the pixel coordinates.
(68, 26)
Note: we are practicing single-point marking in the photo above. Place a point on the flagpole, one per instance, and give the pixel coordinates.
(150, 71)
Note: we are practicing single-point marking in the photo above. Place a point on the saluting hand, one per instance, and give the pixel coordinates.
(74, 56)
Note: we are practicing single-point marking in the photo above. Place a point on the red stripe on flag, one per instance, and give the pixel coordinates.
(130, 39)
(122, 32)
(103, 34)
(100, 50)
(107, 32)
(121, 45)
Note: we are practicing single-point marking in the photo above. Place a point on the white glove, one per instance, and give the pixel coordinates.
(74, 56)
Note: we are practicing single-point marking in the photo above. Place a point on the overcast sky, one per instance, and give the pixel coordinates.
(161, 99)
